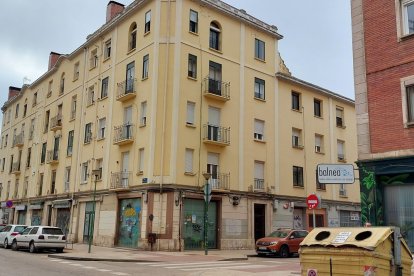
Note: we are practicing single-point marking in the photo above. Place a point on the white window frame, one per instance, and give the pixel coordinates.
(107, 49)
(405, 83)
(404, 16)
(101, 130)
(147, 26)
(194, 20)
(297, 138)
(318, 143)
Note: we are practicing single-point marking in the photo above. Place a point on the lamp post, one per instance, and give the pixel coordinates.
(96, 173)
(207, 196)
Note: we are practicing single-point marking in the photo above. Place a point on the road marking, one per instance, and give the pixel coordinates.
(142, 263)
(88, 267)
(55, 260)
(225, 267)
(204, 265)
(76, 264)
(64, 262)
(178, 264)
(104, 270)
(119, 273)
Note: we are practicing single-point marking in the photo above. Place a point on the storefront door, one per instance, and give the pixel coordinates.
(88, 219)
(36, 217)
(193, 224)
(63, 219)
(129, 226)
(21, 218)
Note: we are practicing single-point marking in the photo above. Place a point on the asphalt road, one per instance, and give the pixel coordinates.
(22, 263)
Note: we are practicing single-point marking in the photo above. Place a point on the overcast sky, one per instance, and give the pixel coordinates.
(317, 43)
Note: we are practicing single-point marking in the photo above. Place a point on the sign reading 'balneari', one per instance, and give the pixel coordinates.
(335, 173)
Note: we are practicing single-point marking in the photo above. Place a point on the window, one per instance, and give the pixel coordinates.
(107, 49)
(24, 110)
(132, 37)
(29, 155)
(25, 185)
(215, 36)
(258, 175)
(339, 117)
(40, 186)
(85, 174)
(91, 95)
(93, 61)
(141, 161)
(43, 156)
(295, 101)
(147, 26)
(11, 163)
(296, 138)
(259, 49)
(341, 152)
(320, 186)
(3, 164)
(190, 113)
(104, 88)
(73, 108)
(88, 133)
(98, 166)
(62, 84)
(259, 88)
(410, 103)
(34, 99)
(259, 129)
(5, 140)
(49, 90)
(101, 131)
(297, 176)
(192, 66)
(189, 153)
(9, 116)
(69, 149)
(318, 143)
(317, 108)
(145, 66)
(214, 78)
(408, 16)
(32, 128)
(143, 117)
(67, 179)
(130, 77)
(17, 111)
(342, 190)
(193, 21)
(76, 71)
(47, 115)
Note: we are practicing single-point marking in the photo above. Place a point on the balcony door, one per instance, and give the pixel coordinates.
(127, 122)
(213, 169)
(213, 123)
(130, 75)
(124, 170)
(214, 76)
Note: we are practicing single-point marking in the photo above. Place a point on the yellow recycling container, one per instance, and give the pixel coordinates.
(379, 251)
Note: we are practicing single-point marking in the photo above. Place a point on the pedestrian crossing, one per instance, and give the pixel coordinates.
(89, 267)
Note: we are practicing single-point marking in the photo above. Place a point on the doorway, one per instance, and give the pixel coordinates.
(259, 221)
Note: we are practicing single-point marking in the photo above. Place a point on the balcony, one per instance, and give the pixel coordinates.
(126, 90)
(220, 181)
(56, 123)
(15, 168)
(216, 135)
(52, 157)
(123, 134)
(216, 89)
(259, 185)
(120, 180)
(18, 140)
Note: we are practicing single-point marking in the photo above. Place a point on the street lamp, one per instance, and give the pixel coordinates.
(96, 173)
(206, 201)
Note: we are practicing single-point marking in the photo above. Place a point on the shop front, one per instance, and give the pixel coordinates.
(36, 215)
(21, 214)
(129, 223)
(62, 214)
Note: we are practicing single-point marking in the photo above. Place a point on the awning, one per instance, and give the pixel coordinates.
(62, 203)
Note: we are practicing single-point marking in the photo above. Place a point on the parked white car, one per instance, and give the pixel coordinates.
(9, 232)
(40, 237)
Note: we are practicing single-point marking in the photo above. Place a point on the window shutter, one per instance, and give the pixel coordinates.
(189, 160)
(214, 116)
(213, 158)
(258, 170)
(258, 126)
(190, 112)
(318, 140)
(340, 148)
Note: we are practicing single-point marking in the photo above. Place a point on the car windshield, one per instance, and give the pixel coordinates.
(279, 234)
(52, 231)
(2, 227)
(19, 229)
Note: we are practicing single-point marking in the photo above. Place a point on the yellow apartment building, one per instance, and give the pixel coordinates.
(162, 93)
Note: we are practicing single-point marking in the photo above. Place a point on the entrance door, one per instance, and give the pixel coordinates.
(36, 217)
(259, 221)
(63, 219)
(89, 217)
(193, 224)
(129, 224)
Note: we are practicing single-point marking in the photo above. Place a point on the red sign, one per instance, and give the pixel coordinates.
(312, 201)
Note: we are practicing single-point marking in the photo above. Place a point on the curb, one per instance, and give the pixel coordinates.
(234, 259)
(92, 259)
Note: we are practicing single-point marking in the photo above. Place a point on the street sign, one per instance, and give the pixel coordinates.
(312, 272)
(9, 203)
(335, 173)
(207, 194)
(312, 201)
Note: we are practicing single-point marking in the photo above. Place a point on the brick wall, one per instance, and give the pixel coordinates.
(387, 61)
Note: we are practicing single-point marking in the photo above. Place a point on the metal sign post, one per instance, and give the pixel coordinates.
(207, 197)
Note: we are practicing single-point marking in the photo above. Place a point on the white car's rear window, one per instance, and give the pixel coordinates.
(52, 231)
(19, 228)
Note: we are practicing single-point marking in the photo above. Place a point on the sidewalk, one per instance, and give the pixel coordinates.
(80, 252)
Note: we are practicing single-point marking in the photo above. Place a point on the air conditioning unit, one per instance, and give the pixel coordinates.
(342, 192)
(317, 148)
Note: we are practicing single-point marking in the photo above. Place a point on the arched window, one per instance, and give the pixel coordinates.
(215, 31)
(62, 84)
(132, 36)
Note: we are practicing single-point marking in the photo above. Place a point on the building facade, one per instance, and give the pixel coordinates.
(162, 93)
(384, 78)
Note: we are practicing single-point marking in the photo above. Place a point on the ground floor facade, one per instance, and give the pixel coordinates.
(387, 192)
(172, 217)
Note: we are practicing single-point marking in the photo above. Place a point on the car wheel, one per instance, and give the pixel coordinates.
(32, 248)
(14, 246)
(59, 250)
(284, 251)
(6, 243)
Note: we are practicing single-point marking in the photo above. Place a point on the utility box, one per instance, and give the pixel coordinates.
(379, 251)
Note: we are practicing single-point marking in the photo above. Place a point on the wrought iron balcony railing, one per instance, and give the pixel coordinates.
(259, 185)
(126, 90)
(120, 180)
(216, 89)
(216, 135)
(220, 181)
(123, 134)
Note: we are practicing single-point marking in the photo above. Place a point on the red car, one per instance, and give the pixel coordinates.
(282, 242)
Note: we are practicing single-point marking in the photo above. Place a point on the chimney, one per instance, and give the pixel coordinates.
(13, 91)
(53, 57)
(113, 9)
